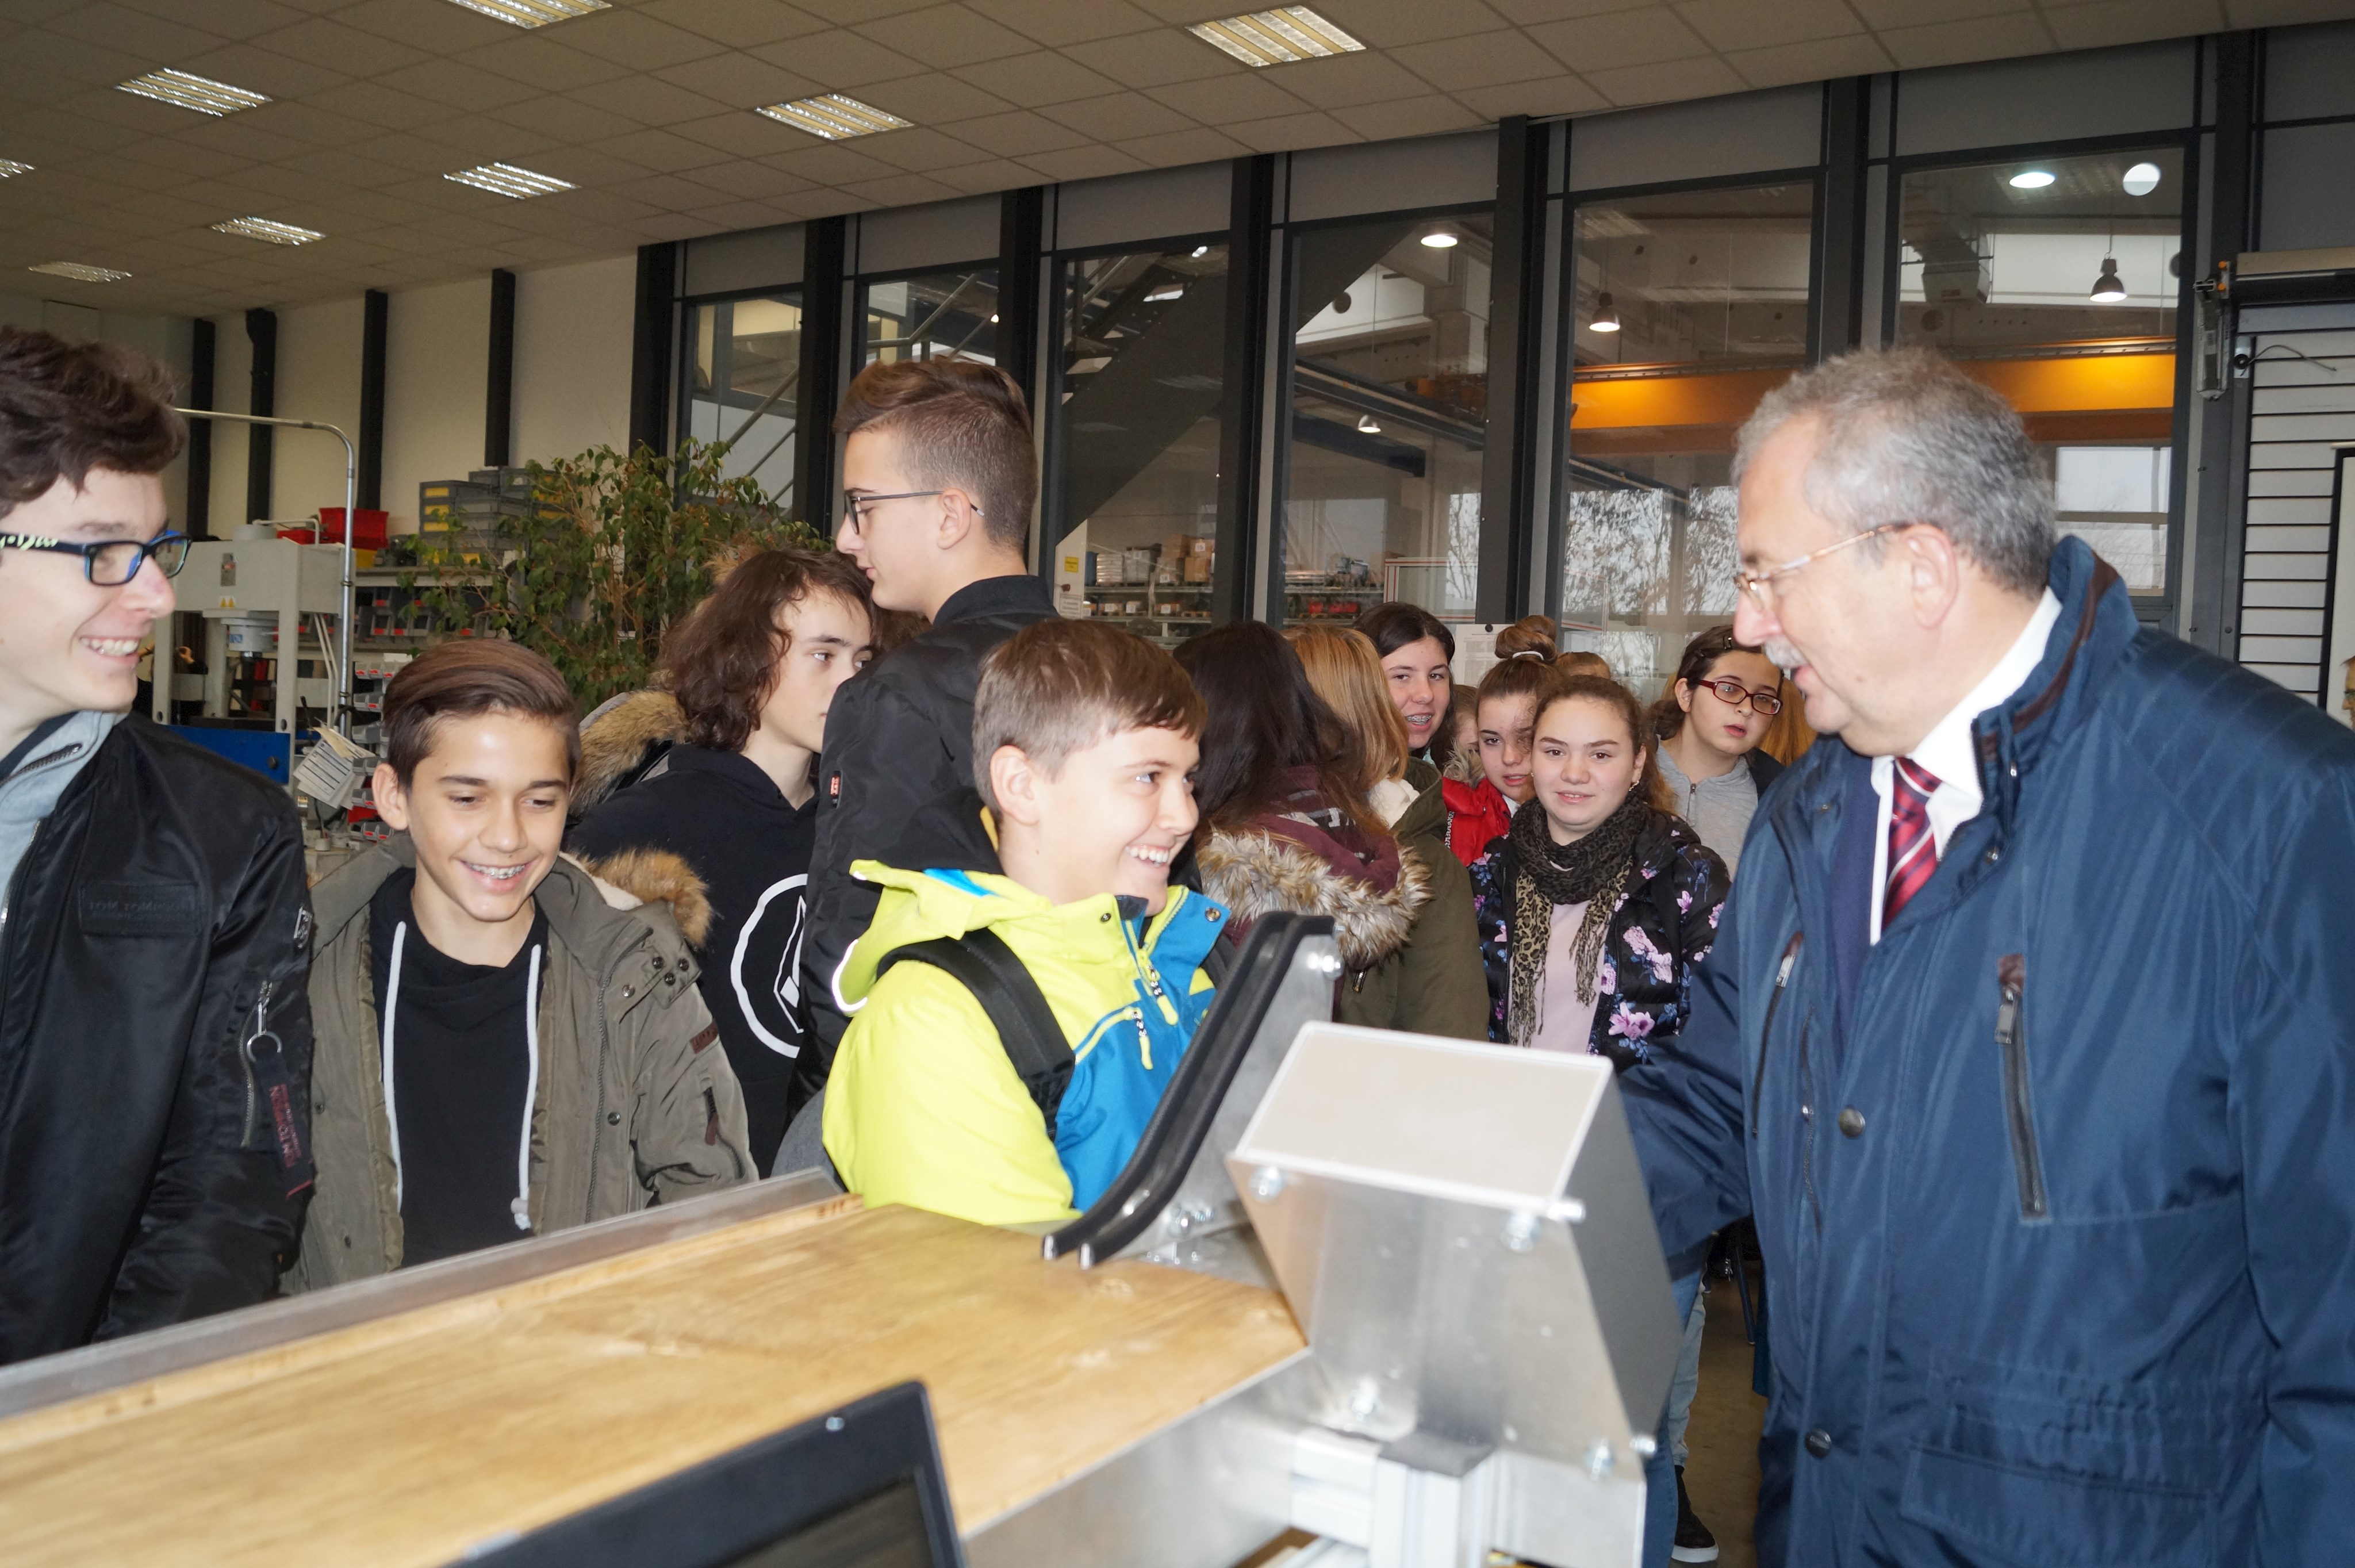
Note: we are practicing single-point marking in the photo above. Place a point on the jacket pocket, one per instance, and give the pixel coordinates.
(2019, 1103)
(2055, 1521)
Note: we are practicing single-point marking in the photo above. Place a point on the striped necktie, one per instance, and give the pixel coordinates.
(1912, 847)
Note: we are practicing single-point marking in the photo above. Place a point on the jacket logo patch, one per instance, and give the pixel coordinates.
(833, 788)
(139, 909)
(704, 1036)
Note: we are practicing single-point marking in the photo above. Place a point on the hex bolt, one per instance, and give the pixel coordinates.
(1266, 1183)
(1521, 1232)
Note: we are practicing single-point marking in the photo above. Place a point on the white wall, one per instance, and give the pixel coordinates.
(573, 337)
(318, 378)
(436, 362)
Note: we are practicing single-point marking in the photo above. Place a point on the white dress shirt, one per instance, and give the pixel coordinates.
(1947, 750)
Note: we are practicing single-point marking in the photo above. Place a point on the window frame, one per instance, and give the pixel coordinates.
(682, 379)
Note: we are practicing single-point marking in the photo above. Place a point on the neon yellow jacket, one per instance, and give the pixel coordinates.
(922, 1106)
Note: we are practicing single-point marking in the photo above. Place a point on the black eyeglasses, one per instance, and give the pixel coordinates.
(856, 504)
(1733, 694)
(111, 563)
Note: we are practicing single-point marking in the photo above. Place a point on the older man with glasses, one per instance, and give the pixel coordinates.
(155, 1036)
(2029, 1039)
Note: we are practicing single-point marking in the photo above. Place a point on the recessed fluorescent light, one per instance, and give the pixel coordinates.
(10, 168)
(264, 229)
(2031, 179)
(534, 13)
(506, 179)
(201, 93)
(1277, 37)
(833, 117)
(78, 272)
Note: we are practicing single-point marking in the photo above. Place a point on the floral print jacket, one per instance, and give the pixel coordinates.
(1664, 925)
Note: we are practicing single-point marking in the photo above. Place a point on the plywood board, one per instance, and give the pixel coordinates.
(407, 1440)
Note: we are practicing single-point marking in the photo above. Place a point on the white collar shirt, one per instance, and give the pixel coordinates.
(1946, 751)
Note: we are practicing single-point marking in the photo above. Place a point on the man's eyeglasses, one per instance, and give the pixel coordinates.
(1733, 694)
(111, 563)
(856, 504)
(1759, 585)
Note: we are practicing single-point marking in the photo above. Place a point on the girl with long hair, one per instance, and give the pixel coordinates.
(1288, 825)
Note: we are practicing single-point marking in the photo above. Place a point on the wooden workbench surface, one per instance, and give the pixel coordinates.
(405, 1440)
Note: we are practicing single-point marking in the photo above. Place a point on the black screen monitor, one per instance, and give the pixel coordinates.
(861, 1487)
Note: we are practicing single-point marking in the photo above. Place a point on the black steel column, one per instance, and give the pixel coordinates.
(1839, 324)
(818, 392)
(498, 400)
(1021, 267)
(197, 522)
(375, 314)
(1509, 477)
(2213, 618)
(262, 330)
(650, 346)
(1242, 383)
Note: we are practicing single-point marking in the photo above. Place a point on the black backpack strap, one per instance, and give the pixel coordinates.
(982, 963)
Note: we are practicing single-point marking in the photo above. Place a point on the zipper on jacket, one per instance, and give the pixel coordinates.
(1766, 1035)
(245, 1062)
(1807, 1133)
(2020, 1113)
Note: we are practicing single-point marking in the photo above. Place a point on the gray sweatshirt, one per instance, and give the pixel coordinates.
(30, 793)
(1720, 809)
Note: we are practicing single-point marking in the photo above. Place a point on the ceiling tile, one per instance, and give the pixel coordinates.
(1409, 117)
(826, 163)
(2110, 22)
(1288, 132)
(1083, 163)
(22, 84)
(1185, 11)
(116, 27)
(568, 120)
(1152, 59)
(347, 169)
(1118, 117)
(933, 100)
(249, 141)
(1484, 60)
(919, 150)
(1039, 78)
(1058, 22)
(379, 105)
(411, 154)
(650, 101)
(1669, 81)
(990, 175)
(1239, 96)
(1015, 135)
(740, 82)
(672, 226)
(1884, 14)
(537, 61)
(308, 124)
(1365, 78)
(482, 138)
(660, 150)
(81, 60)
(739, 23)
(1978, 39)
(2283, 13)
(903, 190)
(845, 13)
(191, 158)
(741, 134)
(746, 180)
(1528, 11)
(340, 48)
(635, 39)
(440, 29)
(1549, 95)
(1172, 148)
(1385, 23)
(1620, 38)
(447, 82)
(264, 71)
(1823, 58)
(841, 60)
(599, 166)
(1744, 25)
(946, 35)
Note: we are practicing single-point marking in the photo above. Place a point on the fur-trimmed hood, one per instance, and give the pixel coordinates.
(655, 877)
(617, 739)
(1255, 873)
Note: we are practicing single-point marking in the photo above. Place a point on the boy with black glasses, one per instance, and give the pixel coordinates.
(154, 1036)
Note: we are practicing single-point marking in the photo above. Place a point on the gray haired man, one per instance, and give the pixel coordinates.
(2029, 1037)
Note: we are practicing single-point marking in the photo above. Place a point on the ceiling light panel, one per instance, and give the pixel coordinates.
(534, 13)
(506, 179)
(833, 117)
(78, 272)
(1277, 37)
(263, 229)
(10, 168)
(183, 91)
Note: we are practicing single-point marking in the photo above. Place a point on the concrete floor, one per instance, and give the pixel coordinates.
(1721, 1437)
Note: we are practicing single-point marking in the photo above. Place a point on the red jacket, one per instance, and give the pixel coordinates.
(1476, 813)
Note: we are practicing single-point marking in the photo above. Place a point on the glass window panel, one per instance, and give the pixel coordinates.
(1688, 308)
(2055, 281)
(947, 314)
(1133, 502)
(1390, 398)
(742, 370)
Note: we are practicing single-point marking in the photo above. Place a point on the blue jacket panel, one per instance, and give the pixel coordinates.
(2058, 1199)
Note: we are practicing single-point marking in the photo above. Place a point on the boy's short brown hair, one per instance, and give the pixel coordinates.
(464, 679)
(68, 408)
(722, 663)
(1060, 686)
(960, 424)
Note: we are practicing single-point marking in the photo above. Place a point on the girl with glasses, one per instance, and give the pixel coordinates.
(1708, 724)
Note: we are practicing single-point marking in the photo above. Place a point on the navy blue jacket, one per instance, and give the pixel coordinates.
(2056, 1184)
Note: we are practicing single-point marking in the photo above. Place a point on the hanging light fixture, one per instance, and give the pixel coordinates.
(1440, 238)
(1606, 314)
(2031, 179)
(1366, 425)
(2108, 289)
